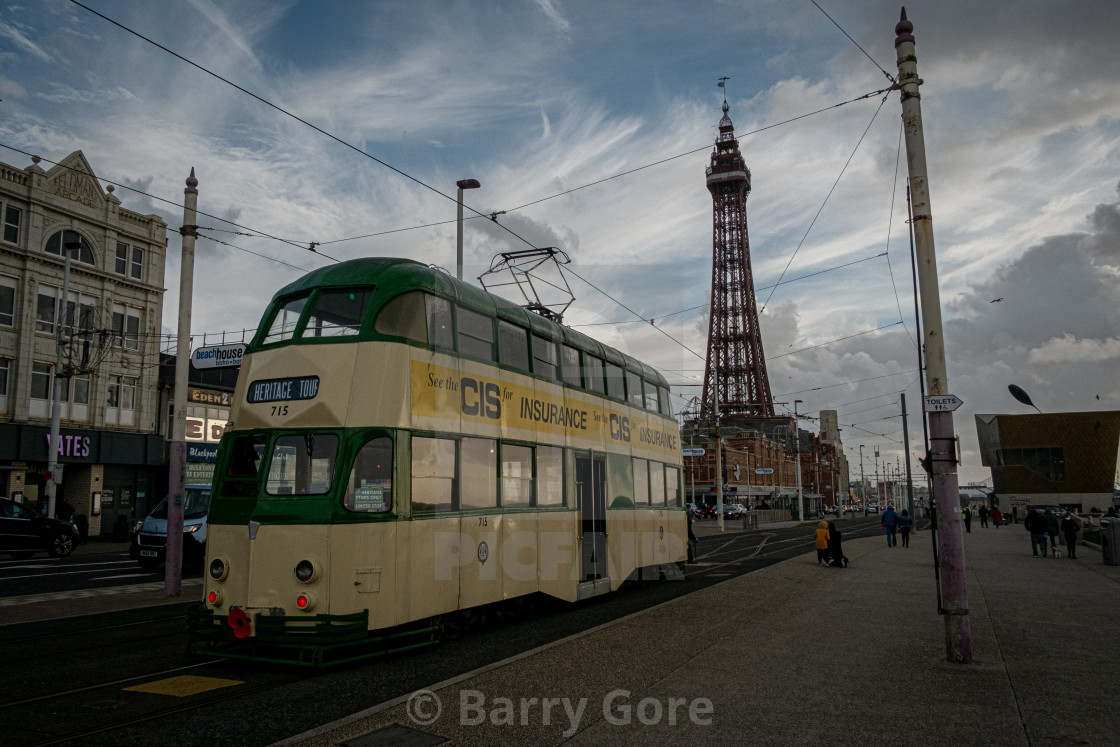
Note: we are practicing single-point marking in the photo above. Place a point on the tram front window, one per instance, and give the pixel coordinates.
(302, 464)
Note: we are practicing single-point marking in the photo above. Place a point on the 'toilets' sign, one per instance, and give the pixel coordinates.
(218, 356)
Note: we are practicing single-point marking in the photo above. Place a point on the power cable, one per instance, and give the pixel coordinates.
(853, 41)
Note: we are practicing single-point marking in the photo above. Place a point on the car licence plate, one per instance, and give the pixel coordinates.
(149, 553)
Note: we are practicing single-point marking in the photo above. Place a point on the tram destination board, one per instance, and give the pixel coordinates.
(281, 390)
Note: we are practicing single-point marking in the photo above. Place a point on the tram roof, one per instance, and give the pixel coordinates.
(395, 275)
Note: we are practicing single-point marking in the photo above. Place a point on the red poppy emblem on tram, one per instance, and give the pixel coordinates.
(240, 622)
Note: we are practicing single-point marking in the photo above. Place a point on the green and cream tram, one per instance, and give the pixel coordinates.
(404, 446)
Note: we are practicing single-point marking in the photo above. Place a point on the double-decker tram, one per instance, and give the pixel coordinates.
(404, 447)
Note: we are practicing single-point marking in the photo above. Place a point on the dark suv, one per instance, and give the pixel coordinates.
(24, 532)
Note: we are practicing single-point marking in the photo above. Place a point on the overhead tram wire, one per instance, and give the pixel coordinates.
(173, 203)
(764, 287)
(853, 41)
(826, 198)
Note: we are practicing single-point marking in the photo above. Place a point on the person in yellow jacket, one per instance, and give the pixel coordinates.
(821, 538)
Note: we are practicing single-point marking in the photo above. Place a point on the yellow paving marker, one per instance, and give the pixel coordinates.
(183, 686)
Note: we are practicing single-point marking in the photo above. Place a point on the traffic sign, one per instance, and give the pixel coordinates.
(943, 402)
(763, 471)
(693, 452)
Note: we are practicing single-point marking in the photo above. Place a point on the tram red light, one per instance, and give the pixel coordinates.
(214, 598)
(302, 601)
(240, 622)
(305, 602)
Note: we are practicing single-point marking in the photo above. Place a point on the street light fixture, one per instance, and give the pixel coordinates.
(461, 184)
(1022, 396)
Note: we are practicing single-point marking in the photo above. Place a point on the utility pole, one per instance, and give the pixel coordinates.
(942, 457)
(906, 448)
(862, 482)
(719, 458)
(56, 407)
(177, 468)
(797, 442)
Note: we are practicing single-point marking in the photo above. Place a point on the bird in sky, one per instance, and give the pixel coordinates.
(996, 300)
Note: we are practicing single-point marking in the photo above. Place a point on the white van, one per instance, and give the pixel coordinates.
(151, 539)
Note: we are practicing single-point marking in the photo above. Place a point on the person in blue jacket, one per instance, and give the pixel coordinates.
(905, 524)
(890, 523)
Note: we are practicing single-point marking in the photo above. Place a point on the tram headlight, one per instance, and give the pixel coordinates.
(305, 571)
(219, 568)
(305, 602)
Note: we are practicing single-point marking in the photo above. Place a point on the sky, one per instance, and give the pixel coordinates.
(589, 126)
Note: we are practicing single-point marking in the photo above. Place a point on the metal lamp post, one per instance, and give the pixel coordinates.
(797, 444)
(461, 184)
(51, 486)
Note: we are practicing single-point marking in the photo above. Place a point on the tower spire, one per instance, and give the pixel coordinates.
(735, 377)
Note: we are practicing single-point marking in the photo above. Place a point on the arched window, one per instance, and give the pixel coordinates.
(58, 241)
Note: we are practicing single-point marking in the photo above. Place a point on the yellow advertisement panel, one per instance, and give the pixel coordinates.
(544, 412)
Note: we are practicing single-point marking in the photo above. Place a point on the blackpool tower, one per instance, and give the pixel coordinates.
(735, 371)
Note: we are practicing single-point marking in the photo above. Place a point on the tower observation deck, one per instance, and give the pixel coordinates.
(735, 370)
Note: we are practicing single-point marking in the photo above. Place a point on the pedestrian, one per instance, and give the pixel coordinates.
(997, 518)
(1036, 525)
(966, 514)
(835, 551)
(64, 510)
(890, 523)
(1051, 520)
(905, 524)
(983, 517)
(820, 538)
(693, 543)
(1070, 525)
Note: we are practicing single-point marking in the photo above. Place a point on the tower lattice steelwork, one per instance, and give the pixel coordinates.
(735, 371)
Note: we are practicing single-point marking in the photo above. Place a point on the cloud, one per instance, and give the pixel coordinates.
(1069, 349)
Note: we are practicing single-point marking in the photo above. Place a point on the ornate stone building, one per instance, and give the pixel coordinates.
(103, 342)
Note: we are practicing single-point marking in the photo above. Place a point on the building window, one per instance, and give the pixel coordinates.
(46, 307)
(7, 301)
(12, 218)
(57, 242)
(130, 261)
(120, 406)
(41, 380)
(5, 364)
(126, 327)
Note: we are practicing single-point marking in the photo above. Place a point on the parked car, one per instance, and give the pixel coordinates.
(704, 511)
(872, 508)
(24, 532)
(151, 539)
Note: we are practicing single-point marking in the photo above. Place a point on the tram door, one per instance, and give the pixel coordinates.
(591, 487)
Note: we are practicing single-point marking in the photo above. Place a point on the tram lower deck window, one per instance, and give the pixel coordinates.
(302, 464)
(370, 488)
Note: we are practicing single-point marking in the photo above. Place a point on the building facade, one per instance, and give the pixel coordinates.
(102, 343)
(1066, 459)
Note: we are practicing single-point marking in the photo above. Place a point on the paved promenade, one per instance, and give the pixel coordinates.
(796, 654)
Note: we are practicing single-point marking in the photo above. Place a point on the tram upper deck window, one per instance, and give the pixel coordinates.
(544, 357)
(513, 346)
(438, 312)
(616, 386)
(593, 374)
(569, 366)
(403, 316)
(433, 475)
(338, 313)
(284, 323)
(634, 389)
(663, 397)
(476, 334)
(650, 395)
(302, 464)
(370, 489)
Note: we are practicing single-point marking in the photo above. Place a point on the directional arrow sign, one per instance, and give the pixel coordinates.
(943, 402)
